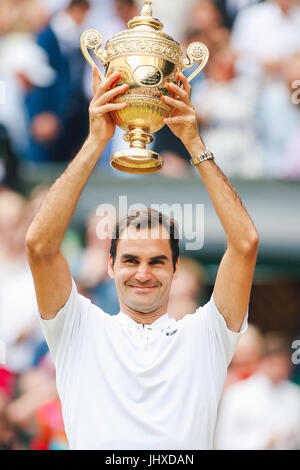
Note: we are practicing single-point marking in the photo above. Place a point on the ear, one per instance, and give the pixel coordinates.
(110, 268)
(175, 275)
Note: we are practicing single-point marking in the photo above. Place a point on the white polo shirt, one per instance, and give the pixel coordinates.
(127, 386)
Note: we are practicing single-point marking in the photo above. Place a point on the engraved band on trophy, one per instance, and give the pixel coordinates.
(148, 59)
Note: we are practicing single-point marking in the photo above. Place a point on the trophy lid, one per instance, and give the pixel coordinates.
(146, 18)
(143, 36)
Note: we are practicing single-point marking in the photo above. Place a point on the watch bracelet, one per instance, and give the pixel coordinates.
(202, 157)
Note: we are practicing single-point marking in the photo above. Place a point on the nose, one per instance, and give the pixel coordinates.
(143, 273)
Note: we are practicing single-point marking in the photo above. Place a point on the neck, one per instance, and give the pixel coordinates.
(146, 318)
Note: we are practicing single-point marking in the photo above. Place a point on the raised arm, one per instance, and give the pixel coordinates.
(51, 274)
(235, 274)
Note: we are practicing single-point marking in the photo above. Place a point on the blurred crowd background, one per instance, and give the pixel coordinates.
(247, 100)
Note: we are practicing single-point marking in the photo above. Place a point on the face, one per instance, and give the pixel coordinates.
(206, 16)
(125, 11)
(143, 270)
(79, 14)
(186, 285)
(222, 67)
(245, 361)
(277, 367)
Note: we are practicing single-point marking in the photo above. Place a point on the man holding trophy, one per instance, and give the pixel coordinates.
(140, 379)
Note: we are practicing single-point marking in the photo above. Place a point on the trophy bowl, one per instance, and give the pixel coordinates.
(147, 59)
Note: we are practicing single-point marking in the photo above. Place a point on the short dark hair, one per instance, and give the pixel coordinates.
(129, 3)
(80, 3)
(147, 218)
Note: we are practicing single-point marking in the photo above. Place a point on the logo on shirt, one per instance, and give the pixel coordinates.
(171, 333)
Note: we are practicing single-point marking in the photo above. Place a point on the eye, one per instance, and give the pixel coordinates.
(157, 261)
(131, 261)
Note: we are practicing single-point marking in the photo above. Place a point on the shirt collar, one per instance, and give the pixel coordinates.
(162, 322)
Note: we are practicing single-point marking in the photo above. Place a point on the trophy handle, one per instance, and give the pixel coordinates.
(92, 39)
(196, 52)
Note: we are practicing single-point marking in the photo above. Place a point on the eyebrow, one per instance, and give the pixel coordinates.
(159, 258)
(153, 258)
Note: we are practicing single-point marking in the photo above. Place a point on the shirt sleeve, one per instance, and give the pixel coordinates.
(224, 337)
(64, 333)
(221, 341)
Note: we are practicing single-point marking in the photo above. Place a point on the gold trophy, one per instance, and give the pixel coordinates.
(148, 59)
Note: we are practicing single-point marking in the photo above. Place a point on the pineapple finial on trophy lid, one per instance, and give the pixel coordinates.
(146, 18)
(147, 8)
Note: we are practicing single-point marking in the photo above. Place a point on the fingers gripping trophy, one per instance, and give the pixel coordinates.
(148, 60)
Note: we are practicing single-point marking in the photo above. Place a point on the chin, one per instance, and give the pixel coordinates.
(143, 308)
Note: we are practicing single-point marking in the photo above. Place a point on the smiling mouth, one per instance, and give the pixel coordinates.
(143, 288)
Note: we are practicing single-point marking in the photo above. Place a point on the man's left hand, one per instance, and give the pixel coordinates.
(183, 119)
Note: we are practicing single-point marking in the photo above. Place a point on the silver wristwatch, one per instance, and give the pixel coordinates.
(206, 155)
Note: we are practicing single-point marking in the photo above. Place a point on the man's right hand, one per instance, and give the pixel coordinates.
(102, 127)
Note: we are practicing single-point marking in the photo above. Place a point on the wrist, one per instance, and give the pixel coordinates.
(195, 147)
(94, 141)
